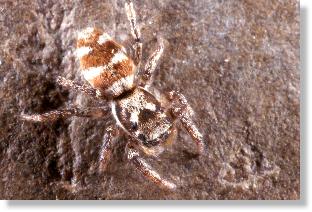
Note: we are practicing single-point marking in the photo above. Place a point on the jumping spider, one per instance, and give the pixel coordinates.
(149, 124)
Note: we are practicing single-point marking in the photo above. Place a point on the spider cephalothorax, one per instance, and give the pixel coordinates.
(115, 76)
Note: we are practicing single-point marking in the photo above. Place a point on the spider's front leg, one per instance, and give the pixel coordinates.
(181, 110)
(135, 32)
(145, 169)
(107, 147)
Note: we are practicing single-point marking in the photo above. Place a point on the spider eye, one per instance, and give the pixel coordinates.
(142, 137)
(134, 125)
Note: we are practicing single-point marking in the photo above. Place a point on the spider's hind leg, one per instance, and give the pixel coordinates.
(77, 86)
(95, 112)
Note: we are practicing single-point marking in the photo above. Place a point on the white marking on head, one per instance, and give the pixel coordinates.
(82, 51)
(134, 117)
(119, 57)
(93, 72)
(103, 38)
(150, 106)
(86, 33)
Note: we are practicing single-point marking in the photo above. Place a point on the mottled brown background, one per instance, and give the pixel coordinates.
(236, 61)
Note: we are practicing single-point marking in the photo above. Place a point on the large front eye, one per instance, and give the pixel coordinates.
(134, 126)
(142, 137)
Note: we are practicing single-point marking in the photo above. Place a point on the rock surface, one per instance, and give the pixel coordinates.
(237, 62)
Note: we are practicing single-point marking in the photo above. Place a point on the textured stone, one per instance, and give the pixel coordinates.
(237, 62)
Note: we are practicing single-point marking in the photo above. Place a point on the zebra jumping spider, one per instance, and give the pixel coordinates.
(147, 122)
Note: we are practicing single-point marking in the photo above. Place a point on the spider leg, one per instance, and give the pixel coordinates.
(145, 76)
(95, 112)
(181, 110)
(145, 169)
(135, 32)
(77, 86)
(107, 147)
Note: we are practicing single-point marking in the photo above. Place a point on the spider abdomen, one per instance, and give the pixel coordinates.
(104, 63)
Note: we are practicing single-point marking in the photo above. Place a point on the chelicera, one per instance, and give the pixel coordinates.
(147, 121)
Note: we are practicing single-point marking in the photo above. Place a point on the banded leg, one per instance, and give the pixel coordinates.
(147, 170)
(107, 147)
(146, 75)
(95, 112)
(183, 111)
(77, 86)
(135, 32)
